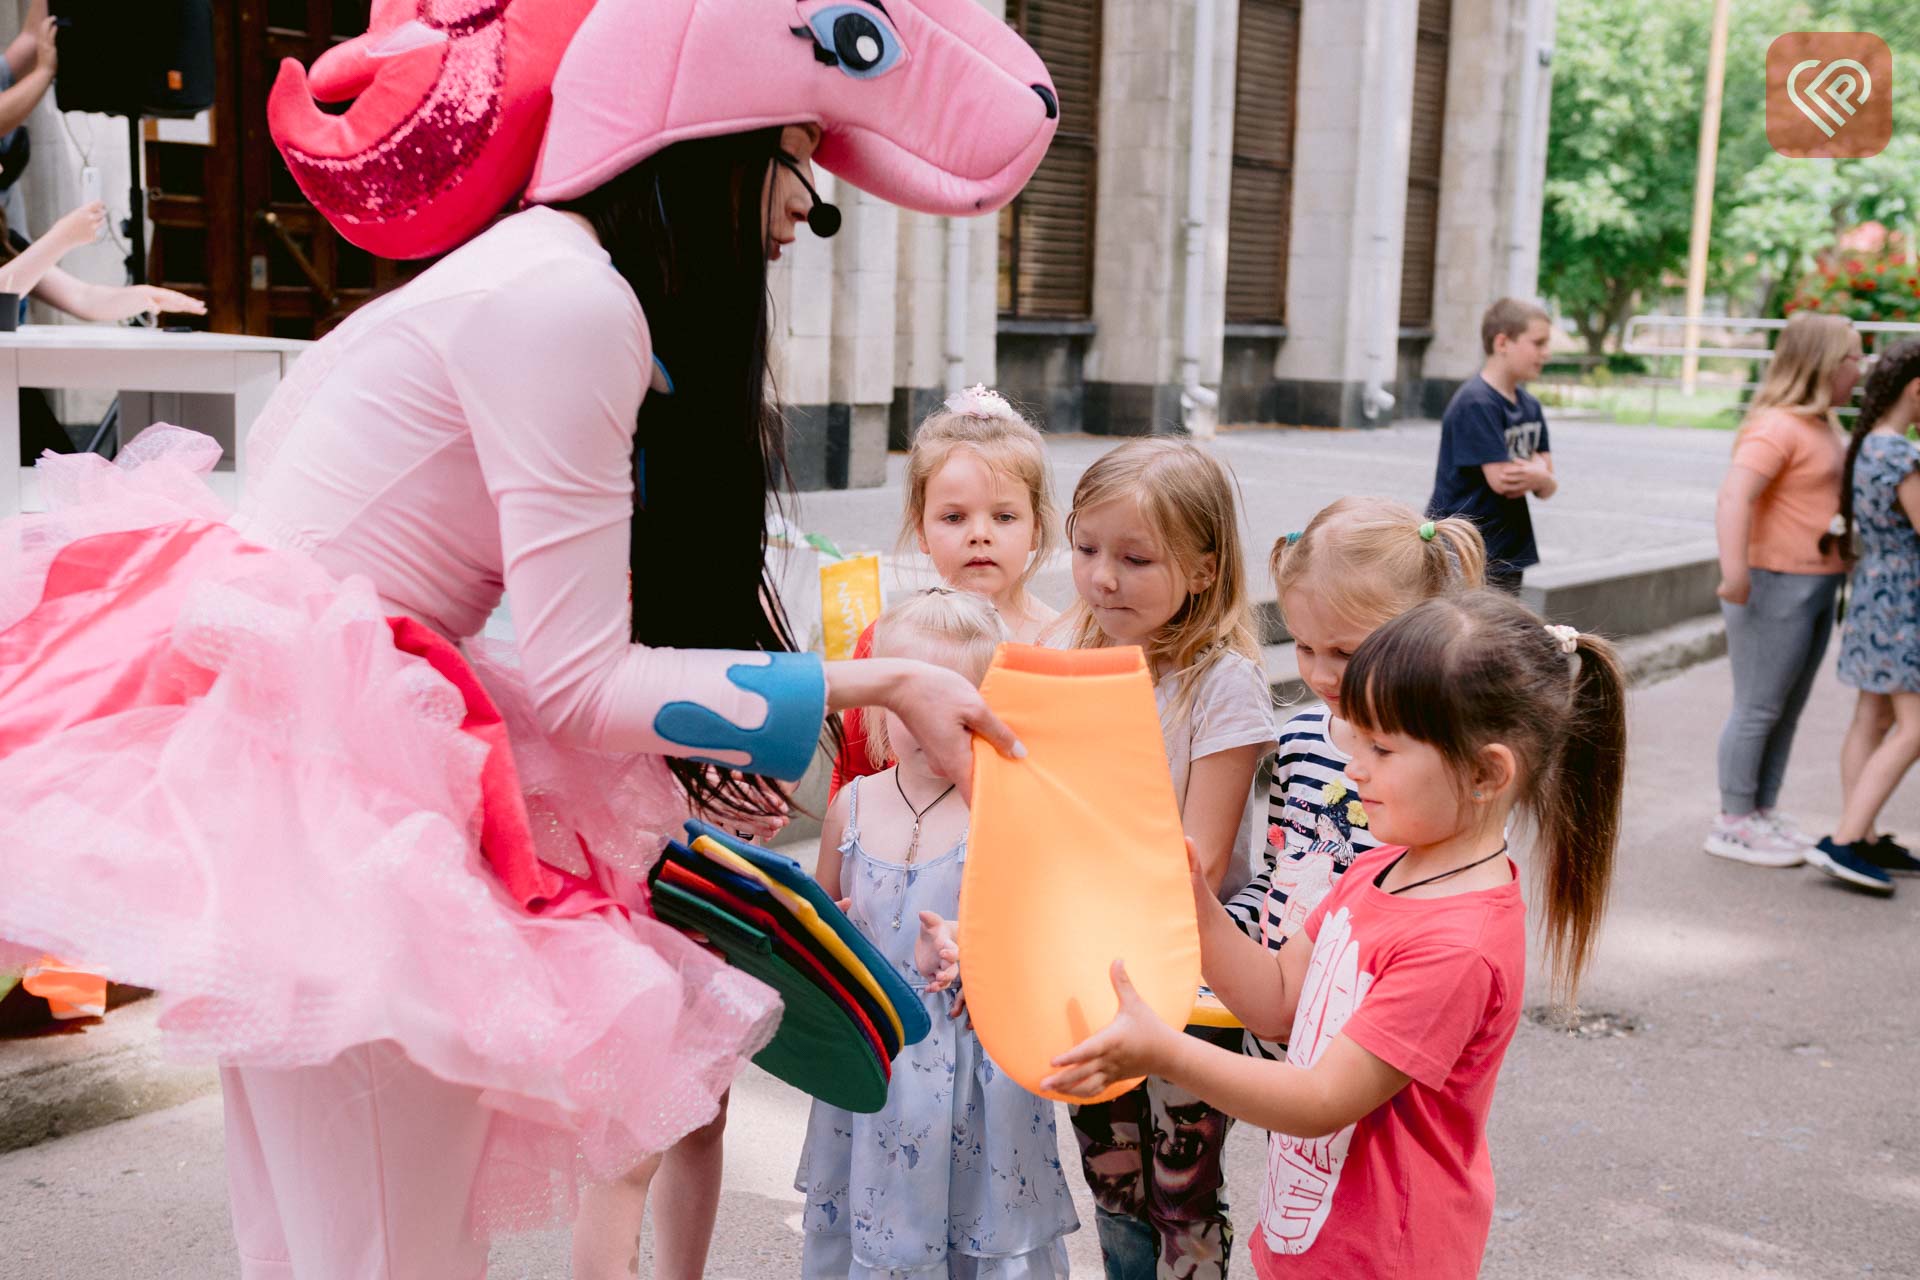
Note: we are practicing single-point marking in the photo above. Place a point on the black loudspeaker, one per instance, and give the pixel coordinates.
(134, 57)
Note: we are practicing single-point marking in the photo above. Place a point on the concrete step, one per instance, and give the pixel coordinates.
(73, 1077)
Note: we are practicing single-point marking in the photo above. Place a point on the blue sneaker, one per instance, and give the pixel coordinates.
(1843, 862)
(1889, 856)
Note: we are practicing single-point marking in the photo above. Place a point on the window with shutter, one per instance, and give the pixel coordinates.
(1259, 211)
(1423, 164)
(1046, 234)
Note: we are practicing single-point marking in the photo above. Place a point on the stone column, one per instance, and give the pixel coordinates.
(1355, 97)
(861, 381)
(920, 288)
(1482, 251)
(833, 342)
(1130, 360)
(802, 288)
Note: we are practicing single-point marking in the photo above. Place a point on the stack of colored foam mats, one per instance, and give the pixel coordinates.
(848, 1013)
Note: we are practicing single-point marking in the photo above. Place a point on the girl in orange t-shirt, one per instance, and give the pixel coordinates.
(1778, 577)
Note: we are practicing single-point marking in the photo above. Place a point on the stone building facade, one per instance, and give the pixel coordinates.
(1368, 178)
(1371, 182)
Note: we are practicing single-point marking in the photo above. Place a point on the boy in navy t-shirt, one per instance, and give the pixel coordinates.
(1493, 442)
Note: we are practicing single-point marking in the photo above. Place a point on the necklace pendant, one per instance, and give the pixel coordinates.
(913, 844)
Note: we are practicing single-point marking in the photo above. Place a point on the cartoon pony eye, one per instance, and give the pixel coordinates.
(855, 38)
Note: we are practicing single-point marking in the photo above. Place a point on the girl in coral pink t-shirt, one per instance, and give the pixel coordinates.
(1398, 1008)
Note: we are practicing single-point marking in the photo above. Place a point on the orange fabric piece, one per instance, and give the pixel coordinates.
(69, 992)
(1075, 859)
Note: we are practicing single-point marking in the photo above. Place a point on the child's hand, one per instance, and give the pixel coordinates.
(1135, 1043)
(1509, 479)
(149, 300)
(80, 226)
(936, 952)
(959, 1008)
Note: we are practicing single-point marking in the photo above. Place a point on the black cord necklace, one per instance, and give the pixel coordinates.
(913, 845)
(1380, 880)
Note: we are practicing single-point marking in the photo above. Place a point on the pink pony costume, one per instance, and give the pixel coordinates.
(386, 873)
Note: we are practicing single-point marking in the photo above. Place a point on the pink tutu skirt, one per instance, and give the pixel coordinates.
(229, 776)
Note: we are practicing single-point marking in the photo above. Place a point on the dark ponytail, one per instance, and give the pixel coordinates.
(1466, 671)
(685, 227)
(1579, 812)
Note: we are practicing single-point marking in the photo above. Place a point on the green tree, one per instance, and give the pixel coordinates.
(1772, 214)
(1627, 95)
(1620, 152)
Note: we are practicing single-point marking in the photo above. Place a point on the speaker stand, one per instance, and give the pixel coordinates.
(136, 205)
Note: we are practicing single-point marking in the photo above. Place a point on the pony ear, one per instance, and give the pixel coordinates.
(933, 105)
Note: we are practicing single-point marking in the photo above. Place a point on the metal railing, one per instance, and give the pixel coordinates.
(1642, 334)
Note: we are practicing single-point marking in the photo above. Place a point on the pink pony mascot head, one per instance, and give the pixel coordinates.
(931, 104)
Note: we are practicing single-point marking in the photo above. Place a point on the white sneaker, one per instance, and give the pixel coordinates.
(1786, 828)
(1754, 841)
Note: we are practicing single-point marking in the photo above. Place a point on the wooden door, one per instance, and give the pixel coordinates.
(229, 224)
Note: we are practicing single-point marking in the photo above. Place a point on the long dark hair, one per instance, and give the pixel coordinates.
(685, 228)
(1464, 671)
(1892, 371)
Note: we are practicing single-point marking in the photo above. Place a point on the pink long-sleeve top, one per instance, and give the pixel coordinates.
(472, 434)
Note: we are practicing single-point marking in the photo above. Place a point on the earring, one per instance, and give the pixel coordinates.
(1476, 795)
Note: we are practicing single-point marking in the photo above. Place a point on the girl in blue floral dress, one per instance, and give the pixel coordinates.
(959, 1174)
(1880, 639)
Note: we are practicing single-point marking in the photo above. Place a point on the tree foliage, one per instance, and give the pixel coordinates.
(1628, 85)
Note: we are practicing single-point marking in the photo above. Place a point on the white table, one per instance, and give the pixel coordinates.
(212, 382)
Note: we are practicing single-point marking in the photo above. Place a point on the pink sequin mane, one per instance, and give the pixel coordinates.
(449, 102)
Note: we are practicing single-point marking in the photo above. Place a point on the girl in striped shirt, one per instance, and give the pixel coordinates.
(1359, 564)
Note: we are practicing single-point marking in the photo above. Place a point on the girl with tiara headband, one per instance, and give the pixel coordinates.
(980, 505)
(390, 879)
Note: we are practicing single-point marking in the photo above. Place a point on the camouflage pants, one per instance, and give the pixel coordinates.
(1167, 1191)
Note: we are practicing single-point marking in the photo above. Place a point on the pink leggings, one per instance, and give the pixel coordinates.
(358, 1170)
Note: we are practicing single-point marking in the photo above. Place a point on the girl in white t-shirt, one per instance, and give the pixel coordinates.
(1357, 565)
(1157, 562)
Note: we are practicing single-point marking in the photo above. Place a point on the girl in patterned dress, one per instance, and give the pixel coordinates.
(959, 1173)
(1880, 641)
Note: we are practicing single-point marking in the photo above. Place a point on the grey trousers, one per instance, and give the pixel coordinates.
(1776, 641)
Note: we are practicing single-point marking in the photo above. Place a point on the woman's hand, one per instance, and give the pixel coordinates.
(1136, 1043)
(943, 711)
(941, 708)
(80, 226)
(150, 300)
(1734, 587)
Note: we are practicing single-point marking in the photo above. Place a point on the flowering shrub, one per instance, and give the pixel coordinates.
(1883, 284)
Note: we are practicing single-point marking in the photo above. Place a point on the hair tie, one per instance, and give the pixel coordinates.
(1568, 638)
(1295, 536)
(978, 401)
(1427, 531)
